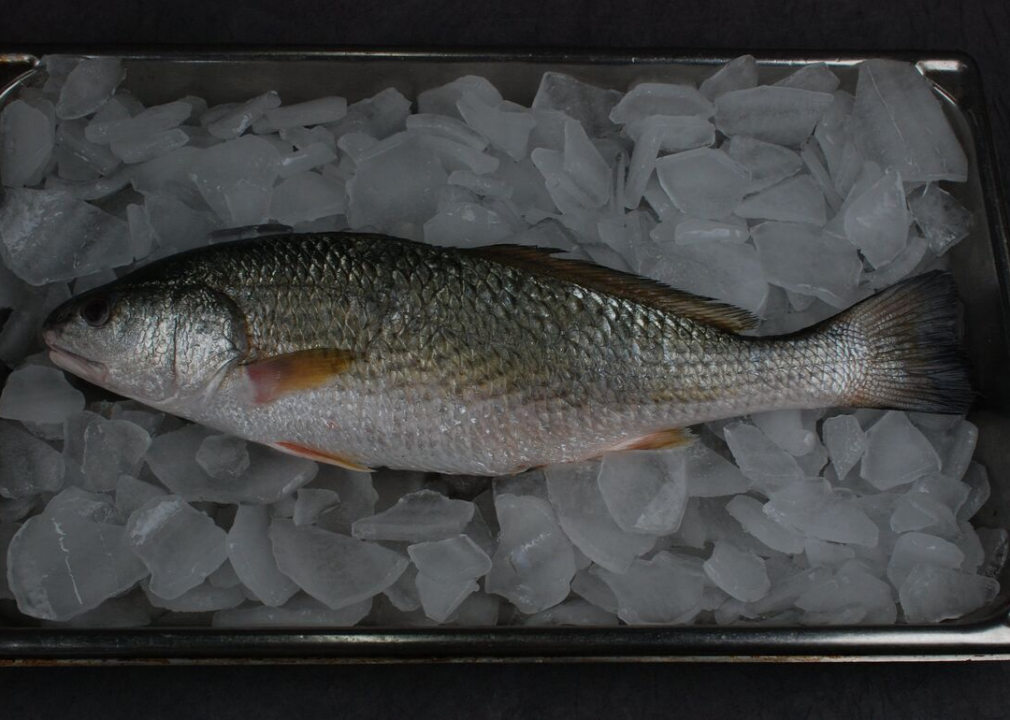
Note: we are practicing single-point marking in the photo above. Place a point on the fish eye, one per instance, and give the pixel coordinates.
(96, 312)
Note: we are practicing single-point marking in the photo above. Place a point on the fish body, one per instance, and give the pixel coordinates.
(368, 351)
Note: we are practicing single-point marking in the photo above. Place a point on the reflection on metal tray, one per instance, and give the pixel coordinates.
(980, 264)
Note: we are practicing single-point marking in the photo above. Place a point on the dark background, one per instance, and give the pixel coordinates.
(980, 28)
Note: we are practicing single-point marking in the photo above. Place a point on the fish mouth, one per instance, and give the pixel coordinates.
(79, 365)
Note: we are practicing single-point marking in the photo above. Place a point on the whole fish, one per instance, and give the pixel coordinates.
(365, 351)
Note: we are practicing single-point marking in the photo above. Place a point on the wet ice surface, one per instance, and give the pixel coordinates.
(792, 196)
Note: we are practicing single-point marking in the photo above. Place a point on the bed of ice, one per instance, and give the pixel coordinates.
(792, 200)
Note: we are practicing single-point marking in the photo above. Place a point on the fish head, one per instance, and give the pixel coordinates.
(160, 344)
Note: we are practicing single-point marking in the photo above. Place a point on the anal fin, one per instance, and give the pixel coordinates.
(661, 440)
(330, 458)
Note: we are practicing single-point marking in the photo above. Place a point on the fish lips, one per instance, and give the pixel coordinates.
(70, 361)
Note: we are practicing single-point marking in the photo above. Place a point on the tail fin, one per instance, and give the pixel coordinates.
(915, 359)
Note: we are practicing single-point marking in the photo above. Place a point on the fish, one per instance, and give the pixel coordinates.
(367, 351)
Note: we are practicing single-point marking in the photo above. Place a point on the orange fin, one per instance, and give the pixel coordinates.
(301, 370)
(541, 261)
(662, 440)
(320, 456)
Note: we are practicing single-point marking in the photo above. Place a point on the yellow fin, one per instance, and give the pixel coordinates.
(541, 261)
(662, 440)
(301, 370)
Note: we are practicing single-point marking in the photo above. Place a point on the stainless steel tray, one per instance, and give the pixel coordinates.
(981, 265)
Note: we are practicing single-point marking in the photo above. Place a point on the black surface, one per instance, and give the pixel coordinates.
(978, 27)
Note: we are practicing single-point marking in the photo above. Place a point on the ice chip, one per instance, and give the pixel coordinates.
(357, 497)
(203, 598)
(439, 599)
(765, 463)
(943, 220)
(846, 443)
(919, 511)
(588, 104)
(780, 115)
(223, 456)
(819, 552)
(645, 491)
(307, 158)
(578, 613)
(26, 144)
(311, 503)
(901, 125)
(583, 514)
(788, 430)
(451, 560)
(39, 394)
(811, 508)
(648, 99)
(738, 74)
(28, 465)
(739, 573)
(977, 480)
(236, 179)
(449, 128)
(665, 589)
(506, 130)
(300, 611)
(250, 553)
(239, 119)
(914, 548)
(112, 448)
(653, 134)
(747, 511)
(307, 197)
(709, 474)
(466, 224)
(442, 100)
(766, 162)
(797, 199)
(877, 221)
(703, 182)
(897, 453)
(585, 165)
(931, 593)
(129, 130)
(852, 584)
(131, 493)
(417, 517)
(336, 570)
(815, 76)
(88, 86)
(318, 111)
(179, 545)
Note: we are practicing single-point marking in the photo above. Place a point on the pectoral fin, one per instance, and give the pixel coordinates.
(303, 370)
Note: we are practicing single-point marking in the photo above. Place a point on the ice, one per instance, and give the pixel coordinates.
(417, 517)
(379, 116)
(760, 459)
(951, 493)
(27, 145)
(131, 493)
(168, 173)
(585, 165)
(943, 220)
(450, 560)
(900, 124)
(645, 491)
(442, 100)
(466, 224)
(665, 589)
(151, 146)
(995, 544)
(819, 552)
(481, 185)
(129, 129)
(251, 554)
(767, 163)
(747, 511)
(454, 155)
(797, 199)
(48, 235)
(787, 429)
(932, 594)
(805, 261)
(88, 86)
(694, 230)
(223, 456)
(815, 76)
(299, 611)
(271, 474)
(236, 179)
(506, 130)
(584, 516)
(307, 158)
(846, 443)
(448, 128)
(914, 548)
(780, 115)
(403, 594)
(239, 119)
(179, 545)
(357, 497)
(311, 503)
(534, 563)
(710, 474)
(811, 508)
(653, 134)
(203, 598)
(897, 453)
(956, 457)
(11, 511)
(851, 585)
(577, 613)
(176, 225)
(588, 104)
(336, 570)
(78, 157)
(225, 576)
(38, 394)
(876, 222)
(978, 480)
(396, 191)
(111, 448)
(919, 511)
(302, 138)
(738, 74)
(312, 112)
(737, 572)
(307, 197)
(648, 99)
(703, 182)
(28, 466)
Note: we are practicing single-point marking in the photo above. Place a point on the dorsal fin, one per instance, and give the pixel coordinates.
(541, 261)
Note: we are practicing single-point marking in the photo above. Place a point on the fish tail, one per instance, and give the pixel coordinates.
(914, 359)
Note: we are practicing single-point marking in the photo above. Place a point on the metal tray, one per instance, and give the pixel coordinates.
(981, 265)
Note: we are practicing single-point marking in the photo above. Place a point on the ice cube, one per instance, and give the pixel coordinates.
(584, 516)
(931, 593)
(81, 152)
(506, 130)
(957, 456)
(28, 466)
(747, 511)
(765, 463)
(466, 224)
(179, 545)
(897, 453)
(645, 491)
(900, 124)
(203, 598)
(451, 560)
(481, 185)
(239, 119)
(797, 199)
(417, 517)
(380, 116)
(307, 197)
(814, 76)
(129, 129)
(357, 497)
(943, 220)
(914, 548)
(819, 552)
(236, 179)
(578, 613)
(403, 594)
(665, 589)
(919, 511)
(27, 144)
(299, 611)
(318, 111)
(703, 182)
(396, 191)
(780, 115)
(223, 456)
(588, 104)
(737, 572)
(711, 475)
(167, 173)
(48, 235)
(738, 74)
(660, 132)
(767, 163)
(335, 569)
(803, 260)
(978, 480)
(851, 585)
(306, 158)
(88, 86)
(448, 128)
(694, 230)
(302, 138)
(585, 165)
(39, 394)
(270, 476)
(648, 99)
(454, 155)
(252, 556)
(311, 503)
(949, 492)
(811, 508)
(112, 448)
(131, 493)
(788, 430)
(846, 443)
(534, 563)
(442, 100)
(877, 221)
